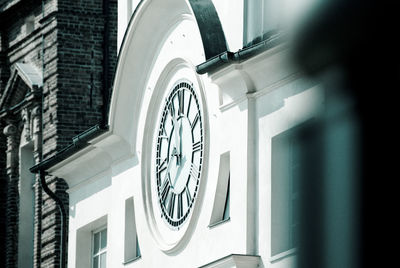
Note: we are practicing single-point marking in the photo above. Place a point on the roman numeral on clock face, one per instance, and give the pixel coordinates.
(196, 146)
(163, 134)
(171, 205)
(180, 206)
(172, 109)
(188, 108)
(188, 196)
(181, 98)
(165, 188)
(195, 120)
(162, 166)
(194, 171)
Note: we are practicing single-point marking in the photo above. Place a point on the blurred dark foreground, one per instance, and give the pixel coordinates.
(349, 199)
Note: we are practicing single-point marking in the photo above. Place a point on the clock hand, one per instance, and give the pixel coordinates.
(169, 163)
(180, 141)
(179, 171)
(177, 140)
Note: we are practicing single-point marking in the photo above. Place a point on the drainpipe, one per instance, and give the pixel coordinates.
(61, 207)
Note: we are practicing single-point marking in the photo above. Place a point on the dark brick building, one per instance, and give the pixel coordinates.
(57, 61)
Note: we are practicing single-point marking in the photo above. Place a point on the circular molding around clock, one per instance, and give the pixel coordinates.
(174, 155)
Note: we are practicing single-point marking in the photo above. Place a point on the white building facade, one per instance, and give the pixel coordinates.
(222, 136)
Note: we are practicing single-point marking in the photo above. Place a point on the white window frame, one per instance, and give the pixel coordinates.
(101, 251)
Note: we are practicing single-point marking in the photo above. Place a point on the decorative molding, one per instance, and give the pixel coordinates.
(235, 260)
(14, 94)
(254, 77)
(36, 132)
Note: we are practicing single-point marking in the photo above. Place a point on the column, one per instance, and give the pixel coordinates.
(10, 131)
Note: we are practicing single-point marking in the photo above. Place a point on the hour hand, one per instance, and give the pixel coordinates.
(177, 140)
(169, 162)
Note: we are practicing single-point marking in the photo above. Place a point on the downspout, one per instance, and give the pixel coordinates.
(60, 205)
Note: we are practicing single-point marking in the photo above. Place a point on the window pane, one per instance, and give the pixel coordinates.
(103, 238)
(96, 243)
(103, 259)
(280, 202)
(137, 248)
(227, 203)
(96, 262)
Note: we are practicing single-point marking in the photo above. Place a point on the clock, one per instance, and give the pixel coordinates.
(179, 152)
(175, 153)
(173, 137)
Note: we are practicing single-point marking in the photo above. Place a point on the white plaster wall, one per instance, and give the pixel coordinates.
(246, 106)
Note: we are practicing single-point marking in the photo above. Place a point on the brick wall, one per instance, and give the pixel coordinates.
(65, 40)
(80, 68)
(3, 195)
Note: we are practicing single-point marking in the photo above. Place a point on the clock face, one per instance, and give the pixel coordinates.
(179, 147)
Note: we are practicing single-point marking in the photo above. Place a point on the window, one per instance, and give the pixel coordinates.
(131, 249)
(221, 208)
(99, 249)
(296, 162)
(264, 18)
(287, 171)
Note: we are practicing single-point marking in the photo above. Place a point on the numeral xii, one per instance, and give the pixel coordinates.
(181, 98)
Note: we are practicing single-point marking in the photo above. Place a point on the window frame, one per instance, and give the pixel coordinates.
(288, 141)
(101, 250)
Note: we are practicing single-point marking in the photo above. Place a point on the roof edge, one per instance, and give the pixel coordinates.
(78, 143)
